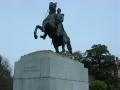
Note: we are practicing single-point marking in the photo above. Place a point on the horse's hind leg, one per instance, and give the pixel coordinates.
(55, 46)
(69, 46)
(63, 48)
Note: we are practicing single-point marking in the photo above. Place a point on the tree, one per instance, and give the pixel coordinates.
(77, 56)
(98, 54)
(101, 63)
(6, 81)
(5, 69)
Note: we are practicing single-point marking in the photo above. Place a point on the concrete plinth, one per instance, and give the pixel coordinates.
(45, 70)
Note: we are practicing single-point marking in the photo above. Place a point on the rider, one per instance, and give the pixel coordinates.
(59, 20)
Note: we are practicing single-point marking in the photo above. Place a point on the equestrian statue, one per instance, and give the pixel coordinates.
(53, 27)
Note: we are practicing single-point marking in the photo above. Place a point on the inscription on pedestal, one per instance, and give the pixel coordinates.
(31, 69)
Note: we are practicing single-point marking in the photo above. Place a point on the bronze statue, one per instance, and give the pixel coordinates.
(53, 27)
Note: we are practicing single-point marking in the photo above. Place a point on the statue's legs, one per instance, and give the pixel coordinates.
(44, 35)
(42, 29)
(63, 48)
(39, 27)
(35, 32)
(55, 46)
(69, 46)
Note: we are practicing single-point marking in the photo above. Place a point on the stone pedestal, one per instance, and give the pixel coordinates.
(45, 70)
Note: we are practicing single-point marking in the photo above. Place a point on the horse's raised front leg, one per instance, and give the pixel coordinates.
(44, 35)
(40, 28)
(35, 32)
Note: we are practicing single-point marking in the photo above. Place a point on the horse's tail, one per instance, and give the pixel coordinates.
(69, 47)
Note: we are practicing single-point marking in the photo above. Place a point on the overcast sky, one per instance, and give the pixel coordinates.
(87, 22)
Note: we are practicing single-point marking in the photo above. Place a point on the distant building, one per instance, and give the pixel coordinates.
(117, 61)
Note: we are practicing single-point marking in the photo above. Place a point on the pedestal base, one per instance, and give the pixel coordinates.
(45, 70)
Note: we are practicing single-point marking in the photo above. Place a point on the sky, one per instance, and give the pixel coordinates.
(86, 22)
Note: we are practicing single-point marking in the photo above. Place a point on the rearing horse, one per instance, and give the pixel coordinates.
(50, 26)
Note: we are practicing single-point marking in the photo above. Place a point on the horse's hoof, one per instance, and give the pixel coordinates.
(41, 36)
(57, 52)
(62, 52)
(70, 52)
(35, 36)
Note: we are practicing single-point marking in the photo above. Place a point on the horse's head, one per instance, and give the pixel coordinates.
(52, 7)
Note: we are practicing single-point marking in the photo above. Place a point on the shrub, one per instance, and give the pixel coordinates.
(111, 87)
(98, 85)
